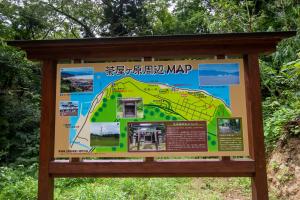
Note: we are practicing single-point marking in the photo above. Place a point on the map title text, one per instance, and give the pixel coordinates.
(120, 70)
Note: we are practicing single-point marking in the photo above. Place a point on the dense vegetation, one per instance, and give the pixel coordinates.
(54, 19)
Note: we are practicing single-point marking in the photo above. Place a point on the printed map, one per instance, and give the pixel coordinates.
(99, 105)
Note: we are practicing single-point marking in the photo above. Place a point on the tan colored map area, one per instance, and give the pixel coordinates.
(190, 104)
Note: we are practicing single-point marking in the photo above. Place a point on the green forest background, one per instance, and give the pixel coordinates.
(56, 19)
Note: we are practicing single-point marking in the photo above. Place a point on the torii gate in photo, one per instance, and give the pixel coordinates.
(248, 46)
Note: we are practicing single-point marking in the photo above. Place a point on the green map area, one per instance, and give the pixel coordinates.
(160, 103)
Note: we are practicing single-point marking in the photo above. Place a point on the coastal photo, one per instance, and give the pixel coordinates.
(104, 134)
(228, 126)
(147, 136)
(68, 108)
(219, 74)
(76, 80)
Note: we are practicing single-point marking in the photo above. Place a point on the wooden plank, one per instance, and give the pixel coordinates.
(75, 159)
(117, 160)
(158, 168)
(176, 45)
(220, 56)
(45, 180)
(155, 49)
(257, 152)
(225, 38)
(225, 158)
(157, 175)
(149, 159)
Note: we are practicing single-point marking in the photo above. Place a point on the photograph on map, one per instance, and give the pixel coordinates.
(104, 134)
(130, 108)
(76, 80)
(227, 126)
(146, 136)
(219, 74)
(68, 108)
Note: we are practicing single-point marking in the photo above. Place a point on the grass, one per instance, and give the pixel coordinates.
(21, 183)
(97, 140)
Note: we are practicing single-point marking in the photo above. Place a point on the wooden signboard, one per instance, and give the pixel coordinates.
(149, 97)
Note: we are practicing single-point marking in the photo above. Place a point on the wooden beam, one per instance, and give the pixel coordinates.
(176, 45)
(149, 159)
(165, 168)
(224, 38)
(46, 181)
(155, 49)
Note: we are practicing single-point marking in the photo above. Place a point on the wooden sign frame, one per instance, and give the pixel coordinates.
(246, 45)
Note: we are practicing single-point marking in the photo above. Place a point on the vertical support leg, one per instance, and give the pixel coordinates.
(256, 136)
(45, 180)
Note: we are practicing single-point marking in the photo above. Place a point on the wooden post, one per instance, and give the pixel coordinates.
(47, 126)
(256, 136)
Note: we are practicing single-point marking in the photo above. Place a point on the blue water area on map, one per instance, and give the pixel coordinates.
(219, 74)
(183, 81)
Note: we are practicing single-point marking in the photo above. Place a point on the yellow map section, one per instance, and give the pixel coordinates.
(189, 104)
(160, 103)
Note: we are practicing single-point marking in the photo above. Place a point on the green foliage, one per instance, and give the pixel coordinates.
(214, 189)
(281, 89)
(286, 52)
(192, 16)
(129, 188)
(278, 15)
(163, 22)
(21, 183)
(274, 124)
(124, 18)
(27, 21)
(19, 107)
(291, 71)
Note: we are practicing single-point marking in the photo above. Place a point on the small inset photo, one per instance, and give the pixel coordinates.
(227, 126)
(105, 134)
(147, 136)
(68, 108)
(219, 74)
(130, 108)
(76, 80)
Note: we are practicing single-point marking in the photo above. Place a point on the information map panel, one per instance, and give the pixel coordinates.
(155, 108)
